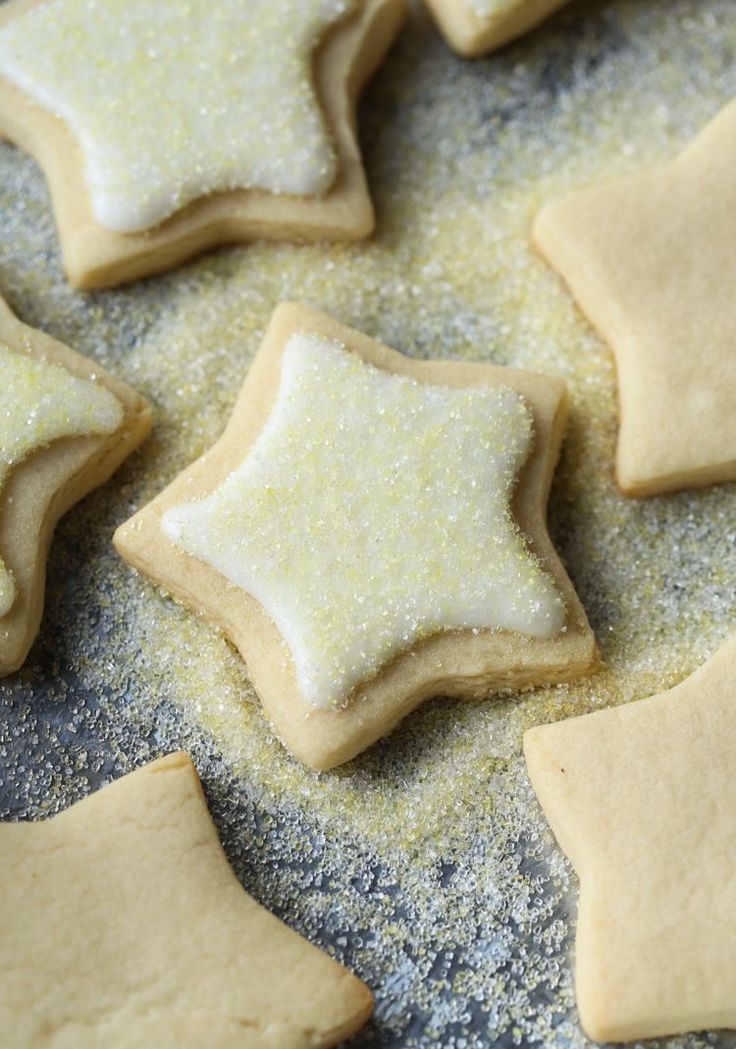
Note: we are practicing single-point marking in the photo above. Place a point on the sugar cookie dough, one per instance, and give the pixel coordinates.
(642, 798)
(353, 533)
(124, 925)
(475, 27)
(65, 427)
(647, 258)
(166, 128)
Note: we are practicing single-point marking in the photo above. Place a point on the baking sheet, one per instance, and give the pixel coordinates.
(425, 865)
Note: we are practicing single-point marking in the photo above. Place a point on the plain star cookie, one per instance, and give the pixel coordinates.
(647, 258)
(475, 27)
(124, 925)
(642, 798)
(165, 129)
(369, 532)
(65, 427)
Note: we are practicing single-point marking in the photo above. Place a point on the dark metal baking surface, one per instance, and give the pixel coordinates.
(425, 864)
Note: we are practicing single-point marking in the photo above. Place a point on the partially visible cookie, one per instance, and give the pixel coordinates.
(65, 427)
(370, 531)
(648, 258)
(124, 926)
(642, 798)
(475, 27)
(165, 129)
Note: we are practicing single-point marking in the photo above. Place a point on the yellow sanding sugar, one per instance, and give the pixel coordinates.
(425, 864)
(41, 403)
(372, 512)
(173, 100)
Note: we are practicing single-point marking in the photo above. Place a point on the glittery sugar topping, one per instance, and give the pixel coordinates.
(374, 511)
(427, 865)
(180, 98)
(41, 403)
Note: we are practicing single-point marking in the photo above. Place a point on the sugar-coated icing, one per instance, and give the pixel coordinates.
(371, 512)
(41, 403)
(176, 99)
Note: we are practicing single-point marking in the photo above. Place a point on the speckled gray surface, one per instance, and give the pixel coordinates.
(425, 865)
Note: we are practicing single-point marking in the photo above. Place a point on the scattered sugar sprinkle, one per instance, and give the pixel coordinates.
(425, 864)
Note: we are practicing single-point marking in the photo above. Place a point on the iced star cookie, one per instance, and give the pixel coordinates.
(647, 258)
(65, 427)
(165, 129)
(475, 27)
(642, 798)
(124, 925)
(369, 532)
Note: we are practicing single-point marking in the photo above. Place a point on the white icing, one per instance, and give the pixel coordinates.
(174, 99)
(41, 403)
(371, 512)
(488, 8)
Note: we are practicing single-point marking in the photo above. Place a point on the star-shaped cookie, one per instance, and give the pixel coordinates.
(353, 533)
(648, 258)
(642, 798)
(475, 27)
(165, 130)
(65, 427)
(124, 925)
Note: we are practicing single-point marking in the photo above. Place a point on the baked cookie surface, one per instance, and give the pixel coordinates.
(65, 427)
(124, 925)
(642, 799)
(410, 574)
(163, 131)
(475, 945)
(645, 258)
